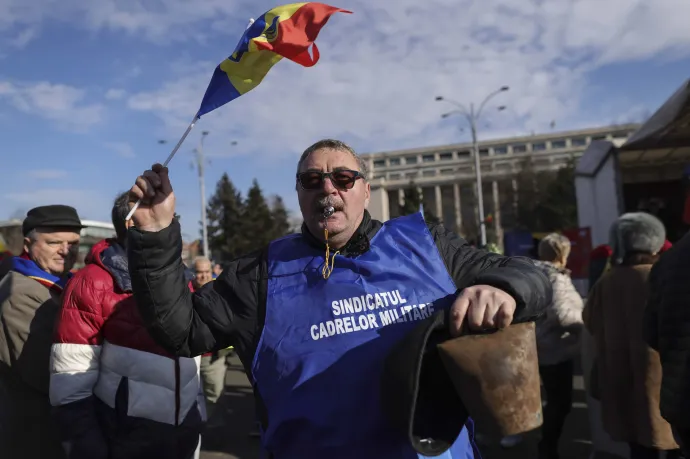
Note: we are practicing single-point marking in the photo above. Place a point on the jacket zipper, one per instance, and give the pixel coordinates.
(177, 391)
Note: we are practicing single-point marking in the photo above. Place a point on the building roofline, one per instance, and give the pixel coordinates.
(87, 223)
(11, 222)
(503, 141)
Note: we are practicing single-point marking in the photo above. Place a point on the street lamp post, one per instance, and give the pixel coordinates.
(202, 188)
(472, 117)
(200, 166)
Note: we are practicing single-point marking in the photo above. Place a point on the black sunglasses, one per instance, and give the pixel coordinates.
(343, 179)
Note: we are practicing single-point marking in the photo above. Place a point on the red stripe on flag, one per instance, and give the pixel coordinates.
(297, 33)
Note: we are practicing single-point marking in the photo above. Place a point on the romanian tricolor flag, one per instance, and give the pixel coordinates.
(286, 31)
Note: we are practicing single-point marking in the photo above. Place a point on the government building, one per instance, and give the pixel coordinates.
(445, 176)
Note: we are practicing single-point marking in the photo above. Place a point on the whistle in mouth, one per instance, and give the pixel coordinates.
(328, 211)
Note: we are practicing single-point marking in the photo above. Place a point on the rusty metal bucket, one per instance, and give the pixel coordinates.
(496, 375)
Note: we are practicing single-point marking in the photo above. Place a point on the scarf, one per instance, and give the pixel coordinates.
(27, 267)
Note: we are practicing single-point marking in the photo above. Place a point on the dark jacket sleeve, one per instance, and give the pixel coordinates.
(517, 276)
(185, 323)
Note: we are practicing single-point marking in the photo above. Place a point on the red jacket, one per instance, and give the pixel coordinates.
(116, 389)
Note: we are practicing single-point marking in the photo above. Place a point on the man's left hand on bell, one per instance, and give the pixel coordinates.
(481, 307)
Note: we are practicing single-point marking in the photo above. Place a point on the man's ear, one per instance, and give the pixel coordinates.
(367, 195)
(27, 244)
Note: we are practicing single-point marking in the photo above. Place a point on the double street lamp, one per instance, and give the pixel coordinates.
(200, 163)
(472, 118)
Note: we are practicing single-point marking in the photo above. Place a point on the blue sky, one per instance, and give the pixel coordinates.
(88, 88)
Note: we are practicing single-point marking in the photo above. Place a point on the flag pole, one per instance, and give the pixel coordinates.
(170, 157)
(177, 147)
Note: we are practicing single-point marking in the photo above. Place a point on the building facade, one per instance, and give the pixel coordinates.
(445, 176)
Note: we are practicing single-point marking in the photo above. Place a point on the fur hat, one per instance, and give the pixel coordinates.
(636, 232)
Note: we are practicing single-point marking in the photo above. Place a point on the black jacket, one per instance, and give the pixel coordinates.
(667, 322)
(231, 310)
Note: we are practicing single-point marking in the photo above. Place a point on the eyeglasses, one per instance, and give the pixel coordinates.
(343, 179)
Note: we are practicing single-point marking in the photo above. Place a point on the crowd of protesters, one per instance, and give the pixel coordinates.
(80, 371)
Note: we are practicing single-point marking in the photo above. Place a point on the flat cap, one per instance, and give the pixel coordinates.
(55, 216)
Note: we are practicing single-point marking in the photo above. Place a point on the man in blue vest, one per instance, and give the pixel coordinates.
(314, 315)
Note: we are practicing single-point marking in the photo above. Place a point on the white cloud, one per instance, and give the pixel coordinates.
(24, 37)
(47, 174)
(381, 67)
(90, 204)
(56, 102)
(122, 149)
(160, 21)
(575, 24)
(115, 94)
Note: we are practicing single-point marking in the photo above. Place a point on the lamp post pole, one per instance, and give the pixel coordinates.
(200, 163)
(472, 117)
(202, 188)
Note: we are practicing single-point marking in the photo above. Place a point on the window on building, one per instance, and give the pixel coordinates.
(558, 143)
(598, 137)
(447, 171)
(380, 163)
(411, 174)
(394, 161)
(411, 160)
(428, 173)
(483, 151)
(464, 154)
(394, 176)
(428, 158)
(579, 142)
(540, 146)
(445, 156)
(521, 148)
(502, 150)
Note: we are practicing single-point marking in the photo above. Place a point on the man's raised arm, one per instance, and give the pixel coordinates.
(162, 293)
(185, 323)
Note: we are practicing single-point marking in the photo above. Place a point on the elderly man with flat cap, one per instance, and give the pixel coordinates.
(29, 302)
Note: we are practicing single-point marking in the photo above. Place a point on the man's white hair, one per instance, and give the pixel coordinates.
(32, 235)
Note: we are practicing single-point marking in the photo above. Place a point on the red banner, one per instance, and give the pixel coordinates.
(580, 248)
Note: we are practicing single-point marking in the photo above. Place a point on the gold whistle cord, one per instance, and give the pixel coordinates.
(330, 261)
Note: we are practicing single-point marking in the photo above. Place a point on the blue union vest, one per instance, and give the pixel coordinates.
(319, 361)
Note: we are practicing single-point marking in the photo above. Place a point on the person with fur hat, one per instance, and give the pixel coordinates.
(628, 370)
(29, 303)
